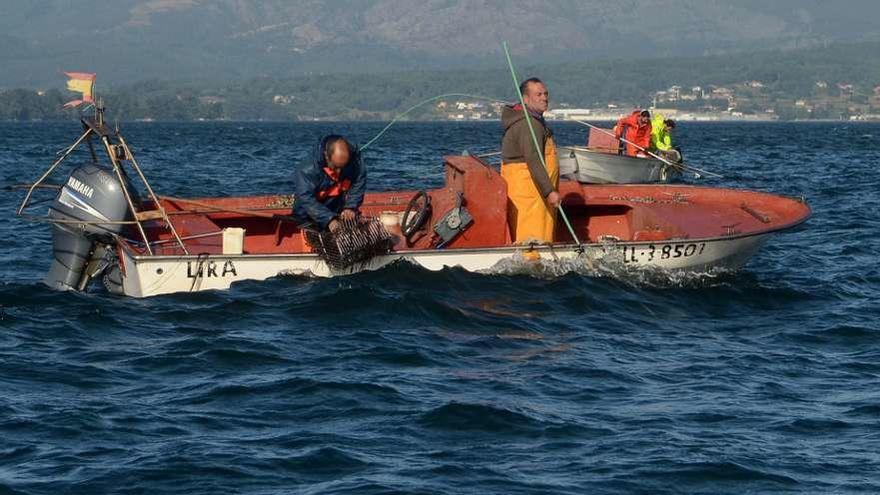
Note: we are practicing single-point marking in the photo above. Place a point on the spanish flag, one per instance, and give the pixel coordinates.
(80, 82)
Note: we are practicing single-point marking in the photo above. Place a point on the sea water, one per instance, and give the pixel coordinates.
(409, 381)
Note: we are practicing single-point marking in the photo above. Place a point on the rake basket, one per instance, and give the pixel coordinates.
(355, 242)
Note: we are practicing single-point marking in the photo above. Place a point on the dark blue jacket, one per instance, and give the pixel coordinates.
(314, 201)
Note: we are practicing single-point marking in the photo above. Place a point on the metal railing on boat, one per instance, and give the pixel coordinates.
(117, 151)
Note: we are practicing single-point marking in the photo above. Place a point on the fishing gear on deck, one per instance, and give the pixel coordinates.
(355, 241)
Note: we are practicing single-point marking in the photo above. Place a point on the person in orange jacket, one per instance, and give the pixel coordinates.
(635, 128)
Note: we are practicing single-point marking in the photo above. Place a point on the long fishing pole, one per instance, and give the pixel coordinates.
(522, 102)
(421, 103)
(681, 166)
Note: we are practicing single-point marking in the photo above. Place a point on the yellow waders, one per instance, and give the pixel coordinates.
(529, 216)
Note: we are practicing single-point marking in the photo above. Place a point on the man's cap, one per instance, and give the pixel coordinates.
(645, 113)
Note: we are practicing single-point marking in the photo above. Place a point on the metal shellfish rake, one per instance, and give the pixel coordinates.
(356, 241)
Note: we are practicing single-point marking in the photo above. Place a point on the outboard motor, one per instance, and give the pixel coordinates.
(91, 194)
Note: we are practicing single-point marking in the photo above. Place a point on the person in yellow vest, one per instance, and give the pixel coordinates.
(532, 190)
(661, 138)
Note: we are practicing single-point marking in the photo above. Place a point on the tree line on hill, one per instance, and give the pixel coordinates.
(785, 77)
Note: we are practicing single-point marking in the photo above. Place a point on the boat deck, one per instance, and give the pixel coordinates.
(598, 213)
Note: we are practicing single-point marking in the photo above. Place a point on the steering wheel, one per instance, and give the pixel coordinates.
(420, 214)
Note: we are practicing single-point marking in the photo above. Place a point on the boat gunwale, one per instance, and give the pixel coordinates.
(514, 248)
(791, 197)
(671, 188)
(648, 159)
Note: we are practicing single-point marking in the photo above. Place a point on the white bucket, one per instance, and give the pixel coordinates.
(233, 240)
(389, 219)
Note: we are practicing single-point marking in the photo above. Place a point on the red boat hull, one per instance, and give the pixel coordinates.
(597, 213)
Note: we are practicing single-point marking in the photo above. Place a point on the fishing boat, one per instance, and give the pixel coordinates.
(599, 163)
(143, 244)
(596, 166)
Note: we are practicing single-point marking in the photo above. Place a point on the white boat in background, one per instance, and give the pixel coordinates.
(599, 162)
(592, 166)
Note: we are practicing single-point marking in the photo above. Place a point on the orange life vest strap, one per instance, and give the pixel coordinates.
(338, 187)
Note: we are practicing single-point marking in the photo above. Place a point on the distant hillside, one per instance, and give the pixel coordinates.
(232, 40)
(831, 79)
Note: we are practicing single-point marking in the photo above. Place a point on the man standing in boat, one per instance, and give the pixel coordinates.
(331, 186)
(532, 189)
(635, 128)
